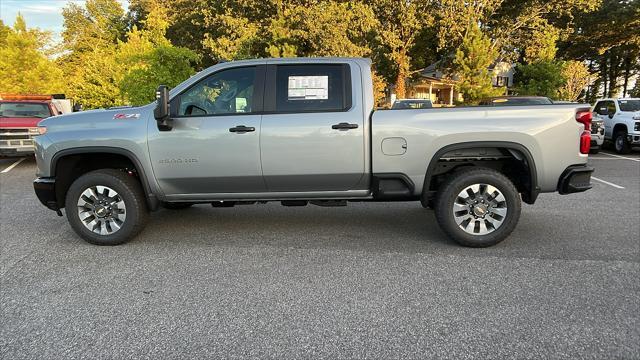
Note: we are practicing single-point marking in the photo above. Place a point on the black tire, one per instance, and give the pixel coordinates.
(128, 189)
(621, 146)
(176, 206)
(460, 180)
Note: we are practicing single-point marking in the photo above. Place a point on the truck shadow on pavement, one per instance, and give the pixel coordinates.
(379, 227)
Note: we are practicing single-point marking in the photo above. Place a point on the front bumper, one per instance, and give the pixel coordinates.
(634, 139)
(46, 192)
(17, 141)
(597, 140)
(576, 178)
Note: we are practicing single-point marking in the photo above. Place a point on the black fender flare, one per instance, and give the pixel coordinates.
(152, 199)
(529, 197)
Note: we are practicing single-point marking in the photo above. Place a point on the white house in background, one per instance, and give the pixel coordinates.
(432, 84)
(502, 74)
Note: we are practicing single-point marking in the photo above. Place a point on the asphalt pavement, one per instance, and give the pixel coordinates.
(370, 280)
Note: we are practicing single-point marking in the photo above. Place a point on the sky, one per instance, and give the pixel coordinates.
(44, 14)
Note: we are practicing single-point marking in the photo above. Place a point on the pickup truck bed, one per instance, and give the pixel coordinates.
(304, 130)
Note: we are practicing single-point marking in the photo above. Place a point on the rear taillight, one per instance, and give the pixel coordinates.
(584, 117)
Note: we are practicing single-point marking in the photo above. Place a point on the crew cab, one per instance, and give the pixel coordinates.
(621, 119)
(19, 117)
(304, 131)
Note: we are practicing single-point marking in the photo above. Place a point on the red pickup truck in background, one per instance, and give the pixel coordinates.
(19, 118)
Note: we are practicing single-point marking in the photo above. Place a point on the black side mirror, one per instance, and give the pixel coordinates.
(161, 112)
(611, 113)
(77, 107)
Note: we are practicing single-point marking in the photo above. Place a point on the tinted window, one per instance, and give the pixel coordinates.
(601, 108)
(24, 110)
(415, 104)
(225, 92)
(521, 101)
(311, 88)
(629, 105)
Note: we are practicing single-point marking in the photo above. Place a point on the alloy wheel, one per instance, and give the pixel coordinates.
(480, 209)
(101, 210)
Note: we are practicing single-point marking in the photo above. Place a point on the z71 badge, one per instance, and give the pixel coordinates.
(126, 116)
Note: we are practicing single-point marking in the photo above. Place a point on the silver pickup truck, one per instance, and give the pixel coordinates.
(303, 131)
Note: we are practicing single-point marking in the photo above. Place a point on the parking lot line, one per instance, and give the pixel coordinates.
(604, 158)
(608, 183)
(621, 157)
(12, 166)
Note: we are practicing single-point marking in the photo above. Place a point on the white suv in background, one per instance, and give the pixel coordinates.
(621, 122)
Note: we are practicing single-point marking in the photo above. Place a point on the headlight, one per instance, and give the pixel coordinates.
(636, 117)
(40, 130)
(636, 127)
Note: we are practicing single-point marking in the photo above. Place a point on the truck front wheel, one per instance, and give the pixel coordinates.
(620, 142)
(106, 207)
(478, 207)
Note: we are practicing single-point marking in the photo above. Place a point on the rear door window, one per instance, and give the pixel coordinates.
(311, 88)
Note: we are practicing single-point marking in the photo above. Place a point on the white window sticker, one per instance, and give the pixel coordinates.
(308, 88)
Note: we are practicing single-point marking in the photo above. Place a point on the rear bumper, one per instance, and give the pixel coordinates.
(576, 178)
(46, 192)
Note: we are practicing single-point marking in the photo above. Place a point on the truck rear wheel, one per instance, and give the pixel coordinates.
(106, 207)
(478, 207)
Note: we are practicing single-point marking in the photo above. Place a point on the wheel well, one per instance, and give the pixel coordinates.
(70, 167)
(619, 127)
(515, 164)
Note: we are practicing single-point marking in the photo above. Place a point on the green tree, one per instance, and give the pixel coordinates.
(96, 24)
(542, 78)
(635, 92)
(576, 76)
(24, 67)
(471, 64)
(541, 46)
(96, 83)
(90, 39)
(4, 32)
(526, 22)
(148, 59)
(399, 23)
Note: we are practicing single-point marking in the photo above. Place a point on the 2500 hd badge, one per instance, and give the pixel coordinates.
(177, 161)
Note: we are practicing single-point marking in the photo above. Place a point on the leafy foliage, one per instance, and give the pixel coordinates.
(104, 70)
(541, 78)
(472, 61)
(24, 67)
(576, 76)
(110, 56)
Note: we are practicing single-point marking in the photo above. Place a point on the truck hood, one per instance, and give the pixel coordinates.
(19, 122)
(92, 118)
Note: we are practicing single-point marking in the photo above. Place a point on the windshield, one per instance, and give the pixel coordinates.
(629, 105)
(24, 110)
